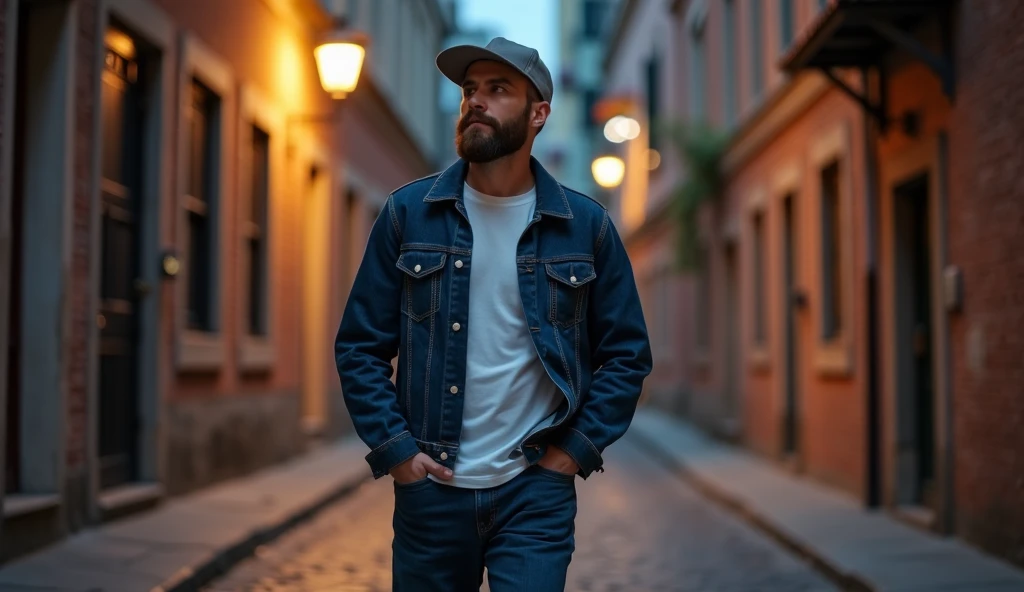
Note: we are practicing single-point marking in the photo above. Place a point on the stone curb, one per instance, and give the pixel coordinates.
(840, 576)
(192, 578)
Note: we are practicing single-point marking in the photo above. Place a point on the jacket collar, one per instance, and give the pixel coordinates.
(551, 200)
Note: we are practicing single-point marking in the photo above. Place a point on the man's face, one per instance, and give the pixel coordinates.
(497, 113)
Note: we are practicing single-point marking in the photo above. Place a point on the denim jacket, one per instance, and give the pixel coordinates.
(578, 294)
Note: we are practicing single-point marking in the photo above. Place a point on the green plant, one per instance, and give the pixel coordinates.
(700, 148)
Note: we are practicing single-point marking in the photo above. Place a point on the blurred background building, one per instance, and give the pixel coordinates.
(848, 300)
(820, 198)
(183, 209)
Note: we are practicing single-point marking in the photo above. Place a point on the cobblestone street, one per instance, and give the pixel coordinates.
(639, 528)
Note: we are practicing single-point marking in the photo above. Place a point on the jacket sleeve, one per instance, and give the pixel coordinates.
(619, 350)
(367, 342)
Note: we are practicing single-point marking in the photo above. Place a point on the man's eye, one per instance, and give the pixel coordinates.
(498, 89)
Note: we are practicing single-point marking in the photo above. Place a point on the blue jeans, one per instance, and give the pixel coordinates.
(522, 531)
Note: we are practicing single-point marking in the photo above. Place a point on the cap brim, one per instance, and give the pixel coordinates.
(454, 61)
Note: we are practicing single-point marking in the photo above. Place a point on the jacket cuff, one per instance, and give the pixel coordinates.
(392, 453)
(582, 450)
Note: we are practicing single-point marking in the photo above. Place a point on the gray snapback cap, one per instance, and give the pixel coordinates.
(454, 61)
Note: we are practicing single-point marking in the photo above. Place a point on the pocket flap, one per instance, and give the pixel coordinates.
(571, 273)
(421, 263)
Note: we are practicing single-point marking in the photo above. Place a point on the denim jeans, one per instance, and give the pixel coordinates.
(522, 531)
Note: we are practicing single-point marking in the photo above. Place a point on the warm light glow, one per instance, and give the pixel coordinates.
(620, 128)
(653, 159)
(339, 60)
(608, 171)
(611, 131)
(121, 43)
(628, 127)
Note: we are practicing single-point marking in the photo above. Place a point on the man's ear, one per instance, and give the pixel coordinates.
(541, 111)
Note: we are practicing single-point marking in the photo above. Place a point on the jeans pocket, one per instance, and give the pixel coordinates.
(554, 475)
(412, 485)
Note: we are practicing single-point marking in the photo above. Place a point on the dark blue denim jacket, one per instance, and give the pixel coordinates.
(578, 294)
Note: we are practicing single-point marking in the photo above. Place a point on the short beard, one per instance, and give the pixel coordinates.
(506, 137)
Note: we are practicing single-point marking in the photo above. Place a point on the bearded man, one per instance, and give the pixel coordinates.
(522, 349)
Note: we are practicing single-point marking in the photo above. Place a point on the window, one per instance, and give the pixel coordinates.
(729, 55)
(831, 288)
(760, 294)
(653, 95)
(785, 24)
(756, 49)
(201, 204)
(593, 15)
(697, 72)
(254, 232)
(703, 299)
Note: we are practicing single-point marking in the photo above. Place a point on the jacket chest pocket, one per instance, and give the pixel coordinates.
(423, 274)
(568, 285)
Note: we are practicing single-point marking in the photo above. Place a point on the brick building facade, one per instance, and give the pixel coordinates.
(181, 212)
(856, 312)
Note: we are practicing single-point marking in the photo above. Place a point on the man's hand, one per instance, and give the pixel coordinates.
(556, 459)
(417, 467)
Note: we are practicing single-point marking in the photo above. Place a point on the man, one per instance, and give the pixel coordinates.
(521, 345)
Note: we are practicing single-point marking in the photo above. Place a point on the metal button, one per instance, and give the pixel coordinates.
(458, 264)
(456, 327)
(571, 279)
(418, 268)
(444, 456)
(454, 390)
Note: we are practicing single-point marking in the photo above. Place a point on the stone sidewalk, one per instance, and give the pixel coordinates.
(859, 549)
(188, 540)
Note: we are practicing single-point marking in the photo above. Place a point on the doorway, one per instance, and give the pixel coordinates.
(731, 416)
(121, 288)
(791, 411)
(915, 388)
(12, 445)
(41, 201)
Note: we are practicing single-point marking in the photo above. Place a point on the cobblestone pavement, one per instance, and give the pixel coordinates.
(639, 529)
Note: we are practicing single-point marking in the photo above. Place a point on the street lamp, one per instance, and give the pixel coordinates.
(608, 171)
(339, 59)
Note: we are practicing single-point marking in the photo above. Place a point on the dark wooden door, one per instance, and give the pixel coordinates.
(914, 340)
(12, 444)
(120, 289)
(791, 442)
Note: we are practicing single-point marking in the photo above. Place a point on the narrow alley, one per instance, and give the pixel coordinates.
(639, 528)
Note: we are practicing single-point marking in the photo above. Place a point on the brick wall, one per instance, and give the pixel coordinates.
(986, 214)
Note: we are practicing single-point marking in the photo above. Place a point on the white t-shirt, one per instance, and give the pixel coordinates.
(508, 393)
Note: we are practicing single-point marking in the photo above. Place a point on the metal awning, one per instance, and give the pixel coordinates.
(860, 33)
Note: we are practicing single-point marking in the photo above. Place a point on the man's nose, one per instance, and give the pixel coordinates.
(476, 103)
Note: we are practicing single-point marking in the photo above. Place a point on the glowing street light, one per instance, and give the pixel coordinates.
(608, 171)
(339, 59)
(620, 128)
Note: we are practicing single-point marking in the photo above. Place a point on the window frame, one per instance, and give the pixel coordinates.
(203, 350)
(730, 62)
(258, 352)
(697, 45)
(833, 355)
